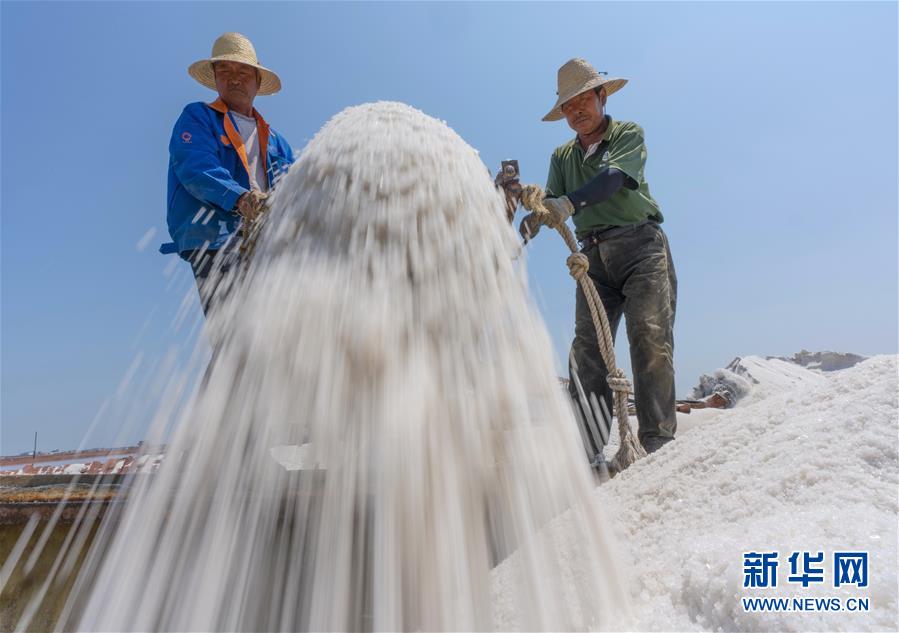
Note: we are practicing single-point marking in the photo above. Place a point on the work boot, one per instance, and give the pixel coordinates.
(654, 443)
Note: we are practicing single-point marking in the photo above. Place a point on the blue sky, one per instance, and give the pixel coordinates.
(771, 131)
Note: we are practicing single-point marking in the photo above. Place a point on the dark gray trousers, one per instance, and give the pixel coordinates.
(634, 276)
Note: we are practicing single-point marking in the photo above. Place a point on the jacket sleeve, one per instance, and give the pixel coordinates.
(193, 150)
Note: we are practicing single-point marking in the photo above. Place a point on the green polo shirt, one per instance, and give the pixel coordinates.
(621, 147)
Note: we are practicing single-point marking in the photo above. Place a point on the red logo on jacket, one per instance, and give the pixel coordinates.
(186, 136)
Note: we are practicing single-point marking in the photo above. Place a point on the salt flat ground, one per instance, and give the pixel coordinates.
(806, 462)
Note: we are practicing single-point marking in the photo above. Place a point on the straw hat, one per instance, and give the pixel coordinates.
(578, 76)
(234, 47)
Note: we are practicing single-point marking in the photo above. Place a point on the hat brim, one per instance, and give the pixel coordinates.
(612, 85)
(203, 73)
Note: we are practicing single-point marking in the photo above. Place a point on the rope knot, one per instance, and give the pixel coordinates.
(619, 382)
(532, 198)
(578, 265)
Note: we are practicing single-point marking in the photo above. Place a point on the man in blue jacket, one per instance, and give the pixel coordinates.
(223, 161)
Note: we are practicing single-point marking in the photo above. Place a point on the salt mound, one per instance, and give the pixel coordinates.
(754, 375)
(811, 466)
(775, 374)
(384, 328)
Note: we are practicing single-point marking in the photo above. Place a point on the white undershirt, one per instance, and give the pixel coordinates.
(246, 125)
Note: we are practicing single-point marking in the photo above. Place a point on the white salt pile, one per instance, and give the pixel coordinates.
(807, 462)
(383, 327)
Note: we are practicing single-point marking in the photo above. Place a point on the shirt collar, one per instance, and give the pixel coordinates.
(592, 148)
(219, 105)
(608, 133)
(262, 126)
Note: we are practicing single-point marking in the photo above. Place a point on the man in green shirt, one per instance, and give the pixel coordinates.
(597, 179)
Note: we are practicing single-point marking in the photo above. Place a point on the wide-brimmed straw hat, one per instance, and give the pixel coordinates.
(577, 76)
(234, 47)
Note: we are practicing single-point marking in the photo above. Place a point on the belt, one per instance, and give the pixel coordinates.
(595, 237)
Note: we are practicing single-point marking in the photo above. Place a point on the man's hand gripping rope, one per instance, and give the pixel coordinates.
(251, 206)
(553, 212)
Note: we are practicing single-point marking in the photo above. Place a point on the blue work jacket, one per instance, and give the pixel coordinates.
(208, 172)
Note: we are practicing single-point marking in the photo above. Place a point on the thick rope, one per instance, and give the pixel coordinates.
(629, 449)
